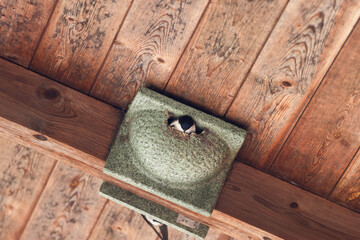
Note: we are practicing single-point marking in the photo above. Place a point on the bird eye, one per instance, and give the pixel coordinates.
(171, 120)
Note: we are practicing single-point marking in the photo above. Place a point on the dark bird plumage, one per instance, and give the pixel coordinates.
(184, 124)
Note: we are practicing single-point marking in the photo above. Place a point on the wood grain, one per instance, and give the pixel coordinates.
(118, 222)
(23, 174)
(92, 165)
(68, 207)
(149, 45)
(216, 235)
(293, 62)
(56, 111)
(327, 135)
(77, 40)
(18, 124)
(21, 25)
(229, 213)
(279, 205)
(222, 51)
(347, 191)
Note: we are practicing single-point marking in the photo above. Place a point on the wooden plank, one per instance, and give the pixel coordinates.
(274, 205)
(77, 39)
(327, 135)
(293, 62)
(223, 49)
(56, 111)
(118, 222)
(347, 191)
(23, 174)
(21, 25)
(216, 235)
(238, 199)
(87, 139)
(147, 48)
(68, 207)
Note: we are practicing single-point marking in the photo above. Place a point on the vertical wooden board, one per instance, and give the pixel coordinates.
(149, 45)
(327, 135)
(68, 207)
(23, 174)
(21, 24)
(347, 191)
(118, 222)
(293, 62)
(222, 51)
(77, 40)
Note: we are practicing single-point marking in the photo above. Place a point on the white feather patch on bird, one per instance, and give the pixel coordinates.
(176, 125)
(192, 129)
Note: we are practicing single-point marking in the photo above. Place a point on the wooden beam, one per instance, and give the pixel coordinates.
(283, 209)
(56, 111)
(78, 130)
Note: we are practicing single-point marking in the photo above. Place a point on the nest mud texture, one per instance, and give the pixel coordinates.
(188, 170)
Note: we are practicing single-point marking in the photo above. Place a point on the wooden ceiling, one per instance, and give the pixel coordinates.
(41, 198)
(288, 72)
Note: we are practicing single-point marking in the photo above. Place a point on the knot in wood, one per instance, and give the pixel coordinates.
(294, 205)
(286, 84)
(49, 94)
(40, 137)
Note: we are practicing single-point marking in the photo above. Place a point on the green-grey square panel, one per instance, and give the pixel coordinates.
(188, 170)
